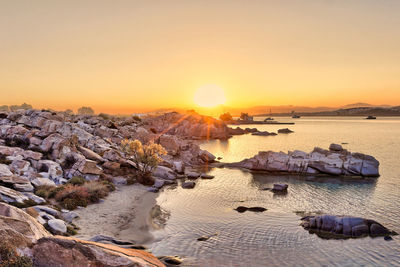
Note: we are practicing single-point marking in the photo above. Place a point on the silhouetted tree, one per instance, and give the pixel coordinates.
(225, 117)
(85, 111)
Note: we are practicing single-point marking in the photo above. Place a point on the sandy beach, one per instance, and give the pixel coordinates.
(124, 214)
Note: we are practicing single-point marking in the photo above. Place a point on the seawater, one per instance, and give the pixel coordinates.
(274, 237)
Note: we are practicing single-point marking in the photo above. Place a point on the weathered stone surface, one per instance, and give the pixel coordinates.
(188, 184)
(179, 166)
(333, 226)
(71, 252)
(57, 226)
(42, 181)
(192, 175)
(53, 169)
(11, 196)
(35, 198)
(335, 147)
(206, 156)
(18, 228)
(319, 161)
(89, 154)
(69, 216)
(88, 167)
(46, 209)
(4, 170)
(164, 172)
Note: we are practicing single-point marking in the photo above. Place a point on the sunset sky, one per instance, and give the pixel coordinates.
(127, 56)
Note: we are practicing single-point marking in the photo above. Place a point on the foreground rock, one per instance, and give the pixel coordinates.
(26, 237)
(336, 161)
(64, 251)
(333, 226)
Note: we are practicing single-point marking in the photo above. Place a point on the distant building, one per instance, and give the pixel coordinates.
(246, 117)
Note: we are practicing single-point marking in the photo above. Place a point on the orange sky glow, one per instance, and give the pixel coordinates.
(135, 56)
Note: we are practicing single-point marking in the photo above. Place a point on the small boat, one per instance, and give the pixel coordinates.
(296, 116)
(370, 118)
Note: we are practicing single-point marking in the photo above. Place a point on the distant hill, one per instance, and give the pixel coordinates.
(359, 111)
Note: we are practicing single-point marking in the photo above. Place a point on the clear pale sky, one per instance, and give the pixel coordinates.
(122, 56)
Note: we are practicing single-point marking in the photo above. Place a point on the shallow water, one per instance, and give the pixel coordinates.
(274, 237)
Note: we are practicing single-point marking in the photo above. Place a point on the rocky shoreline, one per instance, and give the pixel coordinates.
(49, 159)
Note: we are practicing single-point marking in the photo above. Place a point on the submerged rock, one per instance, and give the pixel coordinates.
(334, 226)
(319, 161)
(285, 130)
(264, 133)
(242, 209)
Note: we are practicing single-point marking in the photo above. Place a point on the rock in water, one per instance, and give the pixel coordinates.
(242, 209)
(188, 184)
(285, 130)
(336, 161)
(280, 187)
(333, 226)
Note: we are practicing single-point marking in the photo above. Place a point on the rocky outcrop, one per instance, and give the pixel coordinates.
(334, 226)
(28, 238)
(190, 126)
(336, 161)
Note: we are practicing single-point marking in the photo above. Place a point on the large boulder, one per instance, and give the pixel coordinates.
(19, 229)
(17, 182)
(164, 173)
(71, 252)
(319, 161)
(334, 226)
(4, 170)
(11, 196)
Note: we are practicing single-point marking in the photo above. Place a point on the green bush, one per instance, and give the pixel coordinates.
(77, 180)
(48, 191)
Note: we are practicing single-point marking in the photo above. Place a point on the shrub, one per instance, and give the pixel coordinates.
(105, 116)
(85, 111)
(96, 191)
(136, 118)
(77, 180)
(145, 157)
(9, 257)
(71, 196)
(44, 191)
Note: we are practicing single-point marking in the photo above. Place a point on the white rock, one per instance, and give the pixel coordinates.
(57, 226)
(4, 170)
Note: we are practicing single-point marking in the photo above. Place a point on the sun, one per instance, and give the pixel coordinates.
(209, 96)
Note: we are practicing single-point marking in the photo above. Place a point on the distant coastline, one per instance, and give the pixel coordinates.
(351, 112)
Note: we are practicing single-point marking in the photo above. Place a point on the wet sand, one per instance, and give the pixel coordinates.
(124, 215)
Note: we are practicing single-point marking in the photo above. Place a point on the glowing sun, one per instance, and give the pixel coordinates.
(209, 95)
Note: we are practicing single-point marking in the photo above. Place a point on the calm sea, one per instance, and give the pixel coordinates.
(274, 237)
